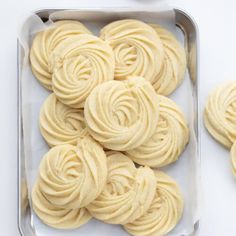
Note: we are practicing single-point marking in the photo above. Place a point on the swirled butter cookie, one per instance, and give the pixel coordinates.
(71, 177)
(169, 139)
(45, 42)
(122, 115)
(56, 217)
(79, 64)
(174, 65)
(61, 124)
(128, 193)
(164, 213)
(233, 158)
(138, 49)
(220, 114)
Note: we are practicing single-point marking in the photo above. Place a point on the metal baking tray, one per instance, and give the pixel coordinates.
(190, 32)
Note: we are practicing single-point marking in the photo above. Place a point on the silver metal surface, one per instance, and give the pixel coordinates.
(189, 28)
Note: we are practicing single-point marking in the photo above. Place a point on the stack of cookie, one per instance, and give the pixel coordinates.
(109, 125)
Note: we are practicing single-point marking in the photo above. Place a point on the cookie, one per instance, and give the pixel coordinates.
(45, 42)
(128, 193)
(122, 115)
(169, 139)
(60, 124)
(220, 114)
(138, 49)
(165, 212)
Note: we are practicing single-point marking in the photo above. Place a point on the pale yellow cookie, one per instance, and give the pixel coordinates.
(122, 115)
(57, 217)
(169, 140)
(165, 212)
(174, 65)
(233, 158)
(71, 177)
(138, 49)
(79, 64)
(128, 193)
(220, 114)
(45, 42)
(60, 124)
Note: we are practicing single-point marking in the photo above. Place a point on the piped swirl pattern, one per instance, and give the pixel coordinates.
(174, 63)
(45, 42)
(169, 139)
(128, 193)
(79, 64)
(60, 124)
(122, 115)
(72, 177)
(138, 49)
(220, 114)
(165, 212)
(57, 217)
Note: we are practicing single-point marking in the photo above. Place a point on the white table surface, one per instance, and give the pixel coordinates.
(216, 20)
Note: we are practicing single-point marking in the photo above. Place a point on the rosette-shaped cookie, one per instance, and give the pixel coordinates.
(122, 115)
(45, 42)
(233, 158)
(220, 114)
(169, 140)
(57, 217)
(79, 64)
(138, 49)
(165, 211)
(61, 124)
(71, 177)
(128, 193)
(174, 63)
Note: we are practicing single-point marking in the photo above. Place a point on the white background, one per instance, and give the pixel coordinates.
(216, 21)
